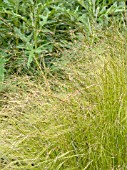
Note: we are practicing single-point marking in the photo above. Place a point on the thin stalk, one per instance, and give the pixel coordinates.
(35, 19)
(16, 20)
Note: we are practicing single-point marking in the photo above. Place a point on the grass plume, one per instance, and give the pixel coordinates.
(81, 122)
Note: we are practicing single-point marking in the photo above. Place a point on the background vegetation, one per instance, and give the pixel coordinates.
(63, 74)
(34, 33)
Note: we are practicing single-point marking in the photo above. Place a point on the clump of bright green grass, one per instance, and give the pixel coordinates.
(81, 122)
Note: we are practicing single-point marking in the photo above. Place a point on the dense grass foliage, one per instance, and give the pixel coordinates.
(63, 103)
(34, 33)
(81, 122)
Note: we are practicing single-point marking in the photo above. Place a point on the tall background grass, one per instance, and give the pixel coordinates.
(34, 33)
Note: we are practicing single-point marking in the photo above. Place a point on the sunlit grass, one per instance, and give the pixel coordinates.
(81, 122)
